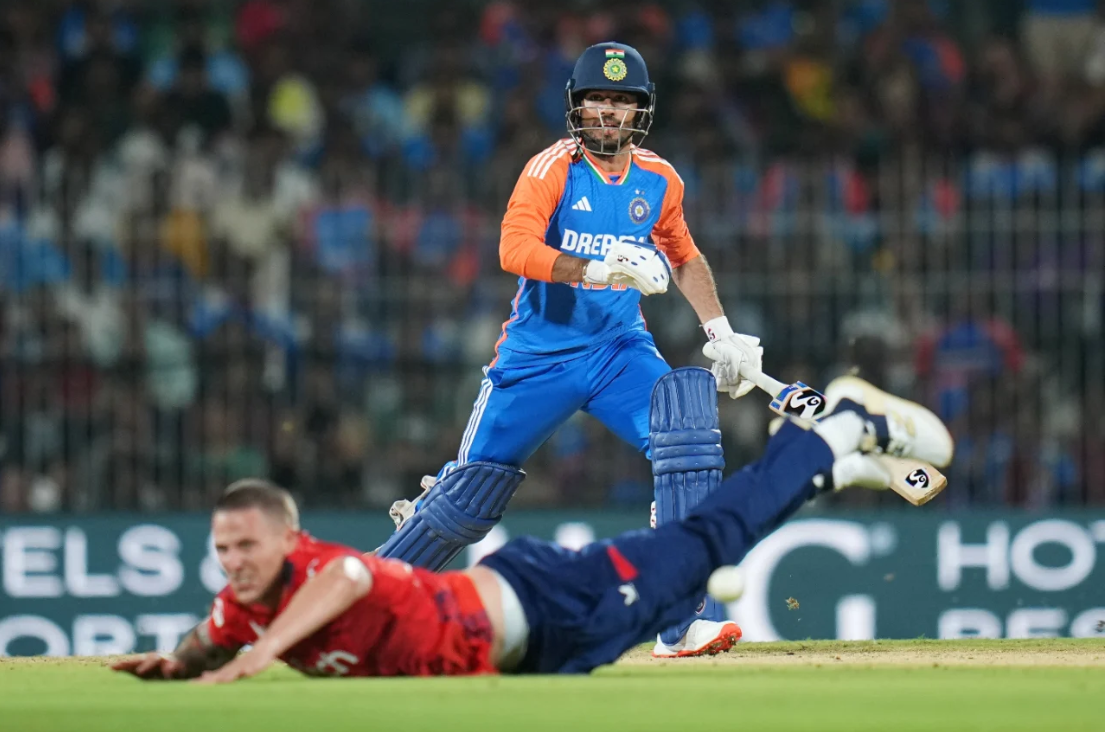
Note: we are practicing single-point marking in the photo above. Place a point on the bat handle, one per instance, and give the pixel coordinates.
(772, 386)
(794, 400)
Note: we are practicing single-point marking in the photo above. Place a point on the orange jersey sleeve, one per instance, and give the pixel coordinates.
(670, 233)
(522, 249)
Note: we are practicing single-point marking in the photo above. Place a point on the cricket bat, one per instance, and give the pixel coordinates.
(794, 400)
(914, 480)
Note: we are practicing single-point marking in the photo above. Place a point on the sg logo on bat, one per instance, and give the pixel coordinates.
(918, 479)
(799, 400)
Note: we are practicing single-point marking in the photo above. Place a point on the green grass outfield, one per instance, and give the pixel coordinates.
(819, 686)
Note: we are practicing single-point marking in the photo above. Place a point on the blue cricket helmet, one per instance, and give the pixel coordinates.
(610, 67)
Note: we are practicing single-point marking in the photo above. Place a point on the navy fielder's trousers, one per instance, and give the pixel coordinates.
(586, 608)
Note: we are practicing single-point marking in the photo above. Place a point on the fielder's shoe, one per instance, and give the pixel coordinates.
(703, 638)
(894, 426)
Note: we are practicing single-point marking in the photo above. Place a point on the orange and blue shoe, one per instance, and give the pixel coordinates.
(703, 638)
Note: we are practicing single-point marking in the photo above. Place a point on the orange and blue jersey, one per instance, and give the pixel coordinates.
(570, 347)
(563, 203)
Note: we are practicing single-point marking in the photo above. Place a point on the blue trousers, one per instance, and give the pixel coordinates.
(523, 400)
(587, 608)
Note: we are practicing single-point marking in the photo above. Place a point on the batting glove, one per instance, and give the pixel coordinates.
(640, 267)
(729, 351)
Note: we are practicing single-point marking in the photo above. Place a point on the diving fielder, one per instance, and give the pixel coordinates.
(594, 223)
(531, 607)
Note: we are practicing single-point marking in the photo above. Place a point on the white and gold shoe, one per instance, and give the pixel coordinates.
(895, 426)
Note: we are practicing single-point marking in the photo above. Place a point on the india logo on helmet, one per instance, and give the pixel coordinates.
(614, 68)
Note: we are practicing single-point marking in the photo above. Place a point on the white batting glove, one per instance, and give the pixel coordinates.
(596, 273)
(730, 351)
(640, 267)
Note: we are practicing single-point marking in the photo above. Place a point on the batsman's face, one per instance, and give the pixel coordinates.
(252, 546)
(607, 116)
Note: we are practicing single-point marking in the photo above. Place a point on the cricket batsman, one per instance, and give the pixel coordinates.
(531, 607)
(594, 223)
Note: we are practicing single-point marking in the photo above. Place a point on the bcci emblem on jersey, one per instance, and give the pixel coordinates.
(639, 210)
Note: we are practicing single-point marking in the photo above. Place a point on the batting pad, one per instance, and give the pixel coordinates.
(687, 458)
(458, 511)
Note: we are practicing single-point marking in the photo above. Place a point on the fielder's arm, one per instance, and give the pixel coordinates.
(194, 655)
(321, 599)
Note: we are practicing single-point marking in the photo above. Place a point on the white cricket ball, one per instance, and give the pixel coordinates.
(726, 584)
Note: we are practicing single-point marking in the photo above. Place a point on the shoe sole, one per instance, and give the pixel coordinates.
(877, 401)
(730, 634)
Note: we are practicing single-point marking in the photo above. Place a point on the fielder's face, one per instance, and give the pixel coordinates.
(252, 546)
(607, 117)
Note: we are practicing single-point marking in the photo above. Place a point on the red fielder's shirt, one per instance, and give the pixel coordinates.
(411, 623)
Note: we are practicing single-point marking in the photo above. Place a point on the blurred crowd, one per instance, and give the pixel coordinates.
(260, 238)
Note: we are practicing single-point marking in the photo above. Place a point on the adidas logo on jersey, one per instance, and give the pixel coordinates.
(582, 205)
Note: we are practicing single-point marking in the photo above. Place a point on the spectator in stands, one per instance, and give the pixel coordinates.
(221, 453)
(285, 98)
(92, 300)
(1057, 38)
(170, 374)
(120, 469)
(340, 463)
(91, 37)
(373, 108)
(973, 344)
(250, 231)
(1006, 113)
(17, 164)
(257, 22)
(204, 27)
(341, 231)
(191, 102)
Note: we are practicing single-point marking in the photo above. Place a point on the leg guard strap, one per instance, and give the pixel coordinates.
(460, 510)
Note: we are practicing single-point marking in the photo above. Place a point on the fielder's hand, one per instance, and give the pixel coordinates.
(151, 666)
(245, 665)
(729, 351)
(640, 267)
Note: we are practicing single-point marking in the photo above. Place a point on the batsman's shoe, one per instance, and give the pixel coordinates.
(895, 426)
(703, 638)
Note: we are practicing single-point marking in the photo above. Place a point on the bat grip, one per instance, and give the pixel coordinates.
(762, 380)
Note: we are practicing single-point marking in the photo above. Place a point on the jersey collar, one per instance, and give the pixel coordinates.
(604, 176)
